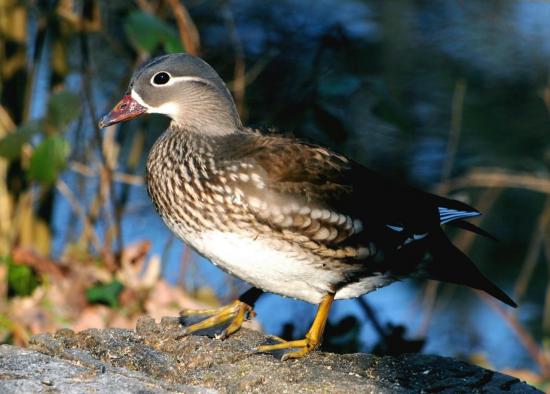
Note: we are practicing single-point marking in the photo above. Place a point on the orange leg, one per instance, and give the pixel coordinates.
(313, 337)
(236, 313)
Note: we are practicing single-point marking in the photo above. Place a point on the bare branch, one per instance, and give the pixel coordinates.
(121, 177)
(63, 188)
(238, 85)
(495, 177)
(523, 335)
(189, 34)
(456, 128)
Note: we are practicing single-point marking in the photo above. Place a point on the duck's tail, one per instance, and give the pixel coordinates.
(449, 264)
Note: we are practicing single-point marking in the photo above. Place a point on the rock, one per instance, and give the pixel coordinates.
(28, 371)
(153, 358)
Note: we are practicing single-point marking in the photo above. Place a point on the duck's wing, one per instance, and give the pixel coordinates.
(343, 209)
(294, 183)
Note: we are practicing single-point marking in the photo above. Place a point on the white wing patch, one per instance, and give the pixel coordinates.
(413, 237)
(395, 228)
(447, 215)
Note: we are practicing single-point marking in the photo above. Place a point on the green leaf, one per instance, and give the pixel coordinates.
(172, 44)
(63, 108)
(48, 160)
(22, 280)
(105, 293)
(11, 144)
(146, 32)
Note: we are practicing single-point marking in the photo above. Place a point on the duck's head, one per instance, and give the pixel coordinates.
(184, 88)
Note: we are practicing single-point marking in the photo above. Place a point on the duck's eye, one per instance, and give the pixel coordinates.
(161, 78)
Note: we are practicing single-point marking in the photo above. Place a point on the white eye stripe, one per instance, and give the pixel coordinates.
(191, 79)
(174, 80)
(167, 108)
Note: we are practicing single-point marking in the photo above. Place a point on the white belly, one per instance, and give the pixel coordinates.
(276, 266)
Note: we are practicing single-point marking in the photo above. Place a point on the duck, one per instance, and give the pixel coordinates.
(286, 216)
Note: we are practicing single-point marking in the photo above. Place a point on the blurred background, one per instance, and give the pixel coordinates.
(449, 96)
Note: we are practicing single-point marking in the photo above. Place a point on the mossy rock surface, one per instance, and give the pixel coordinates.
(153, 358)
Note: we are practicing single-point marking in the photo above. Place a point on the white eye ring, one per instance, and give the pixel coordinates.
(159, 77)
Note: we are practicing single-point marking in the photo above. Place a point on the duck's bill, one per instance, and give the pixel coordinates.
(126, 109)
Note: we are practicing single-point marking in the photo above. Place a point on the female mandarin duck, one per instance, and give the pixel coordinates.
(287, 217)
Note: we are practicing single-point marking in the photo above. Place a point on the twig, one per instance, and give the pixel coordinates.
(66, 12)
(546, 95)
(145, 6)
(189, 35)
(79, 210)
(546, 311)
(239, 74)
(83, 169)
(6, 122)
(523, 335)
(545, 229)
(106, 180)
(372, 317)
(253, 72)
(128, 179)
(492, 177)
(39, 43)
(533, 252)
(456, 128)
(429, 301)
(42, 265)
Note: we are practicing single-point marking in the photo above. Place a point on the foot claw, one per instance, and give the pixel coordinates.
(276, 339)
(224, 334)
(297, 354)
(304, 346)
(235, 313)
(312, 339)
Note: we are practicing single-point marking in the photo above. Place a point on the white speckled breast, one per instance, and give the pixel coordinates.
(228, 213)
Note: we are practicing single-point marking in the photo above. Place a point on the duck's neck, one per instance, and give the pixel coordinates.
(207, 112)
(185, 153)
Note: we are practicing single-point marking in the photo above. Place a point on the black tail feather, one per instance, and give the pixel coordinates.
(472, 227)
(449, 264)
